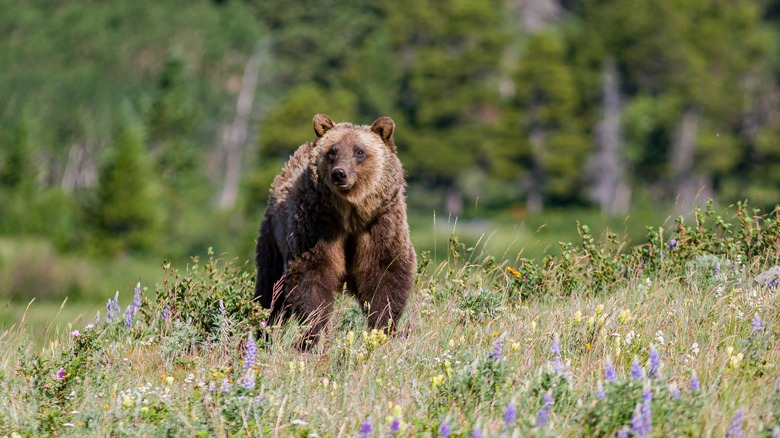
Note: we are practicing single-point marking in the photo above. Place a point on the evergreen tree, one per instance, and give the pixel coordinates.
(127, 211)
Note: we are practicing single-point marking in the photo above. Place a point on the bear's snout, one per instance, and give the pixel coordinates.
(340, 178)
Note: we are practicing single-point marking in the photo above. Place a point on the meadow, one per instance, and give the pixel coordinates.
(673, 336)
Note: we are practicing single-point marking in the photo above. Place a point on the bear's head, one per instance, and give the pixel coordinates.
(355, 161)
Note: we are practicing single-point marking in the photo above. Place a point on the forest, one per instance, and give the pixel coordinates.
(152, 130)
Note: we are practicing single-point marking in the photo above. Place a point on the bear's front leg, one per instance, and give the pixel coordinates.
(384, 272)
(311, 282)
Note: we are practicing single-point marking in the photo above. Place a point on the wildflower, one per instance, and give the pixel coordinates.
(557, 363)
(695, 385)
(97, 317)
(60, 373)
(577, 317)
(112, 307)
(495, 353)
(513, 271)
(757, 324)
(135, 305)
(365, 428)
(630, 337)
(225, 386)
(735, 429)
(543, 417)
(221, 307)
(600, 394)
(638, 422)
(166, 313)
(89, 326)
(659, 337)
(695, 349)
(74, 333)
(395, 425)
(250, 353)
(623, 432)
(655, 363)
(609, 371)
(510, 414)
(674, 391)
(735, 360)
(672, 244)
(476, 433)
(556, 346)
(647, 412)
(636, 370)
(444, 429)
(624, 316)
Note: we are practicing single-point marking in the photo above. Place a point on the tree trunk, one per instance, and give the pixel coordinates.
(235, 136)
(690, 187)
(610, 189)
(534, 194)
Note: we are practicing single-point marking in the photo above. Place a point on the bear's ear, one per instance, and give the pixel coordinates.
(322, 124)
(384, 126)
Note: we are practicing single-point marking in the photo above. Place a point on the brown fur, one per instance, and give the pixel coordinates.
(336, 215)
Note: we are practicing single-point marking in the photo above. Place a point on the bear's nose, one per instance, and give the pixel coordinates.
(338, 174)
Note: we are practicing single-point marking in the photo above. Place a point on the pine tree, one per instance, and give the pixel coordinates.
(127, 213)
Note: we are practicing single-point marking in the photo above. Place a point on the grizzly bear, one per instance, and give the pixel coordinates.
(337, 216)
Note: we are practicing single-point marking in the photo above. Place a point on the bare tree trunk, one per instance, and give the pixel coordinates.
(690, 188)
(236, 135)
(80, 168)
(534, 194)
(537, 15)
(610, 189)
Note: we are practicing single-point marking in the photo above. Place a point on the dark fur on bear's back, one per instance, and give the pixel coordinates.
(336, 215)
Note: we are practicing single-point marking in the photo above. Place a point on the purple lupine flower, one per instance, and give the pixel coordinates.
(609, 371)
(695, 385)
(510, 414)
(623, 432)
(444, 429)
(717, 269)
(655, 363)
(600, 393)
(112, 307)
(395, 426)
(556, 346)
(134, 306)
(365, 428)
(735, 429)
(60, 373)
(498, 345)
(672, 244)
(225, 386)
(166, 313)
(97, 317)
(476, 433)
(638, 422)
(647, 411)
(543, 416)
(636, 370)
(757, 324)
(250, 353)
(674, 392)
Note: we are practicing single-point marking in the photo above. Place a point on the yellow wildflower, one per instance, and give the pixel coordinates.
(736, 359)
(437, 380)
(599, 309)
(624, 316)
(577, 317)
(513, 271)
(587, 346)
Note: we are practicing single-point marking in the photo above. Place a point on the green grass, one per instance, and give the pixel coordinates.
(475, 340)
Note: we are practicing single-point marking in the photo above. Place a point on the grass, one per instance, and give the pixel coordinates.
(521, 351)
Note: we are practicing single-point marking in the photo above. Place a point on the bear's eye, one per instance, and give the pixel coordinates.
(332, 154)
(360, 153)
